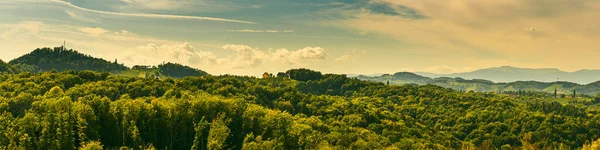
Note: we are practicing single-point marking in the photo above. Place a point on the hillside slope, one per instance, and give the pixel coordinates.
(46, 59)
(4, 67)
(480, 85)
(512, 74)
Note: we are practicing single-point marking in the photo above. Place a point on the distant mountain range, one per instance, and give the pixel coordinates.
(512, 74)
(481, 85)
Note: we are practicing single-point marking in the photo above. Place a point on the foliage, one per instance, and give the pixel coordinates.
(4, 67)
(179, 71)
(480, 85)
(60, 59)
(304, 74)
(90, 110)
(595, 145)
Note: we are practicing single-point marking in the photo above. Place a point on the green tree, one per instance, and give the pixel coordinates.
(92, 145)
(200, 138)
(304, 74)
(218, 133)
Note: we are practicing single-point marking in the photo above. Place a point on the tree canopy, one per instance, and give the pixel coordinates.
(91, 110)
(4, 67)
(179, 71)
(304, 74)
(60, 59)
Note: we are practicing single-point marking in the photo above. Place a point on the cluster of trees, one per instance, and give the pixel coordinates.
(4, 67)
(179, 71)
(85, 109)
(60, 59)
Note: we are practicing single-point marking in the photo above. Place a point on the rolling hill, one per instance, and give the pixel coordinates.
(512, 74)
(59, 59)
(480, 85)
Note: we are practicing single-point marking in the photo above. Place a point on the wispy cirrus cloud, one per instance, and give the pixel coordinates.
(93, 31)
(79, 17)
(262, 31)
(146, 15)
(345, 58)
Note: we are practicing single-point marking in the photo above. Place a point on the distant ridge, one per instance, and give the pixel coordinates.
(482, 85)
(512, 74)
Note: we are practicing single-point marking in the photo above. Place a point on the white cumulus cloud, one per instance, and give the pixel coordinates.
(153, 54)
(295, 57)
(248, 57)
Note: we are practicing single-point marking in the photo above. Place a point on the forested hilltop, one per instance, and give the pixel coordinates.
(61, 59)
(92, 110)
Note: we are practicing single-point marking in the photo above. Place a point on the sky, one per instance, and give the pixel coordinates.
(249, 37)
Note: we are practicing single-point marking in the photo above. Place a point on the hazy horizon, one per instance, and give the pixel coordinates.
(333, 36)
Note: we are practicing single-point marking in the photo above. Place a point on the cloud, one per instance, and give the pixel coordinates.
(364, 52)
(155, 4)
(295, 57)
(93, 31)
(125, 33)
(153, 54)
(345, 58)
(262, 31)
(22, 31)
(511, 29)
(310, 53)
(146, 15)
(246, 56)
(381, 7)
(80, 18)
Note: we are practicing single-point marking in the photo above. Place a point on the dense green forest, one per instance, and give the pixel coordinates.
(481, 85)
(4, 67)
(85, 109)
(60, 59)
(49, 99)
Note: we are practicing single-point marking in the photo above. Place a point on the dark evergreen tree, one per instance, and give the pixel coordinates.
(179, 71)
